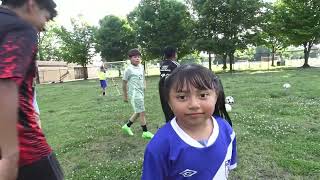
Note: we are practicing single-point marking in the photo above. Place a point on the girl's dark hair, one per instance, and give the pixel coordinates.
(49, 5)
(192, 75)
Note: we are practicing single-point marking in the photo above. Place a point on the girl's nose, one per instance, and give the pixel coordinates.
(194, 102)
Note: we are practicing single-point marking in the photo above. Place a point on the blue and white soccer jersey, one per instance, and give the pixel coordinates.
(173, 154)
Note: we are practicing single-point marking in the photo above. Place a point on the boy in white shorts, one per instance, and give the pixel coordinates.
(133, 86)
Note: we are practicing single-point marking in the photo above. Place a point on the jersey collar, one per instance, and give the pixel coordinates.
(192, 142)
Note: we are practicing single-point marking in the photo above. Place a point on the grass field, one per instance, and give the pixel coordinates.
(277, 132)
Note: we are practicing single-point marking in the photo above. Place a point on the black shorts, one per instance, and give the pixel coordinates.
(47, 168)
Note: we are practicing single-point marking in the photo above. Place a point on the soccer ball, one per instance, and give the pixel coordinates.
(229, 100)
(286, 86)
(228, 107)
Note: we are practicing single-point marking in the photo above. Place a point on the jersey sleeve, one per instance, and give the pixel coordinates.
(233, 163)
(17, 50)
(154, 167)
(174, 65)
(126, 75)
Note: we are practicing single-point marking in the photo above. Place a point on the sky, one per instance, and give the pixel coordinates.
(92, 10)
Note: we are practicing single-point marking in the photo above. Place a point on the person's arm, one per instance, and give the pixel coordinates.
(36, 108)
(125, 90)
(144, 81)
(125, 79)
(9, 152)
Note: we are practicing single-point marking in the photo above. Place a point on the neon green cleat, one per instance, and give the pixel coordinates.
(147, 135)
(127, 130)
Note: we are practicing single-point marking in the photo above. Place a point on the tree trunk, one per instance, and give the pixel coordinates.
(307, 48)
(210, 61)
(273, 52)
(85, 72)
(224, 61)
(231, 59)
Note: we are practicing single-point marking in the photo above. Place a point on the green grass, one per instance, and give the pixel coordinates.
(277, 132)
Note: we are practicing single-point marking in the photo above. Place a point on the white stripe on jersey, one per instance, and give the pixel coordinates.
(176, 63)
(224, 169)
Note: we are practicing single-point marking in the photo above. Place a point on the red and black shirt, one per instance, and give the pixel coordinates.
(18, 49)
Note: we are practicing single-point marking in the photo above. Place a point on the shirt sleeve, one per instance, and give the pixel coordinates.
(154, 167)
(126, 75)
(233, 163)
(17, 50)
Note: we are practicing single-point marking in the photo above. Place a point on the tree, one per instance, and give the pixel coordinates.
(209, 46)
(247, 54)
(229, 24)
(114, 38)
(49, 43)
(77, 44)
(261, 51)
(301, 23)
(161, 23)
(271, 35)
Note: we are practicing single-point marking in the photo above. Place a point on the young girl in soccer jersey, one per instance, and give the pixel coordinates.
(103, 79)
(133, 86)
(199, 142)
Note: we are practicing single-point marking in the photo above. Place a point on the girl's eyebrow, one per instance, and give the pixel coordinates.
(188, 91)
(182, 91)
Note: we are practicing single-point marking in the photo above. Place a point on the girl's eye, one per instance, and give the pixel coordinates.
(181, 97)
(204, 95)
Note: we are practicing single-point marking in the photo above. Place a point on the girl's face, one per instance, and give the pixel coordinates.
(192, 106)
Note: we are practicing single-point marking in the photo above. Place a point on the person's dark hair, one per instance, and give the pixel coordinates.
(102, 69)
(49, 5)
(199, 77)
(134, 52)
(169, 52)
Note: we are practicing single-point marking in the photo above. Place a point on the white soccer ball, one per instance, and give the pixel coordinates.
(286, 86)
(228, 107)
(229, 100)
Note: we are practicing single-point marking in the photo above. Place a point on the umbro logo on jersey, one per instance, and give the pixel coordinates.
(188, 173)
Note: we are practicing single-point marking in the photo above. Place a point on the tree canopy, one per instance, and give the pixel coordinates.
(159, 24)
(300, 23)
(77, 44)
(114, 38)
(223, 26)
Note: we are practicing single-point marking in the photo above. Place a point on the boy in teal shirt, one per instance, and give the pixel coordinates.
(133, 86)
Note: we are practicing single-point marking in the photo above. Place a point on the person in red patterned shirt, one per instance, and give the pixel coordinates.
(22, 142)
